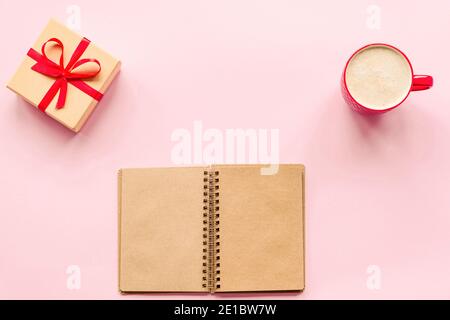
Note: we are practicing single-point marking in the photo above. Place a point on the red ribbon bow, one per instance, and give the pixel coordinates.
(64, 75)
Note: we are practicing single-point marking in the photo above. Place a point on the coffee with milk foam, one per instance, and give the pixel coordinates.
(378, 77)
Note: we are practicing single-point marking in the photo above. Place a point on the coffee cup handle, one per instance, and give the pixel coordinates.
(421, 82)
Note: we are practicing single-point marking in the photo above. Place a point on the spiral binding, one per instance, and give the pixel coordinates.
(211, 230)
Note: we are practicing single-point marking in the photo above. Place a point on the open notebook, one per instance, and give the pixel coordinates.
(223, 228)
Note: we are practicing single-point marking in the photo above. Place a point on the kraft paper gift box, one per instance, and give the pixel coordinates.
(66, 89)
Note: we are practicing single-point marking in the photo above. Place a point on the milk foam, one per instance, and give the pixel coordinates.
(378, 77)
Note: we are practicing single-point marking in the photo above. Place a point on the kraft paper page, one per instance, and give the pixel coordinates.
(261, 229)
(161, 229)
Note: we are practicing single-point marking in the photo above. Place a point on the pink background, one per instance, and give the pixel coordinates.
(377, 188)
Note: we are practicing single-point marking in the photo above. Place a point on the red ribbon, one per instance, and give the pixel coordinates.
(64, 75)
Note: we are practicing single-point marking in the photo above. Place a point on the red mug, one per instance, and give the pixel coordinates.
(418, 82)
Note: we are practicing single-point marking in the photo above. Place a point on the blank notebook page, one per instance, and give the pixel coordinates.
(261, 228)
(161, 229)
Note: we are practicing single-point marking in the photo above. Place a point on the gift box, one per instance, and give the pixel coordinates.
(64, 75)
